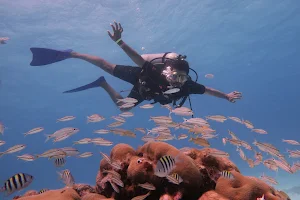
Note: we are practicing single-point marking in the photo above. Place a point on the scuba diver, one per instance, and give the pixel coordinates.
(163, 77)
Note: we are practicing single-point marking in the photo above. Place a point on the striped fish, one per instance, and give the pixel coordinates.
(165, 165)
(226, 174)
(66, 177)
(59, 162)
(17, 182)
(174, 178)
(43, 191)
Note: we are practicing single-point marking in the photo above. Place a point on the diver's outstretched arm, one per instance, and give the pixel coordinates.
(230, 97)
(135, 57)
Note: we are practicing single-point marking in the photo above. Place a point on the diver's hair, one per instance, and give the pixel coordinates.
(178, 64)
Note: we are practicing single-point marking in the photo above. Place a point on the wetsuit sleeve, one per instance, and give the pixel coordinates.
(196, 88)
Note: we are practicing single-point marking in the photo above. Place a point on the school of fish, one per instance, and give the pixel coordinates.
(197, 130)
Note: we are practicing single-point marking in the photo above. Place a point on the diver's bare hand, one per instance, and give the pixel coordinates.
(117, 31)
(233, 96)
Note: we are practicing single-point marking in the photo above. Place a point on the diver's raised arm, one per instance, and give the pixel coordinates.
(135, 57)
(232, 97)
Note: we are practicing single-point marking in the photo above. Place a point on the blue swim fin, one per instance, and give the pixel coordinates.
(94, 84)
(43, 56)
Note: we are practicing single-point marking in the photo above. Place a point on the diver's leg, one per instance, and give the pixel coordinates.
(95, 60)
(114, 95)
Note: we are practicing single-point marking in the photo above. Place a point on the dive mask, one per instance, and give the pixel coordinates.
(174, 77)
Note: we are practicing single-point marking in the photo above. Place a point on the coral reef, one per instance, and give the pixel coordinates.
(197, 168)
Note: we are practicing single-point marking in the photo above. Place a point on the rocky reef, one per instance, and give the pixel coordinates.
(196, 167)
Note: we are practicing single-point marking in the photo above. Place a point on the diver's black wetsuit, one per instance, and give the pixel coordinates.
(131, 75)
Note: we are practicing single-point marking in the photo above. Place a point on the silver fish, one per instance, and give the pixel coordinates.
(33, 131)
(65, 118)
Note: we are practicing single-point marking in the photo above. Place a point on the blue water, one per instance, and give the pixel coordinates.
(251, 46)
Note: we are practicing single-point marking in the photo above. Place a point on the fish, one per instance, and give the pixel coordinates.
(117, 181)
(123, 132)
(63, 137)
(70, 151)
(269, 179)
(83, 141)
(106, 157)
(127, 100)
(85, 155)
(65, 118)
(209, 76)
(250, 163)
(126, 114)
(258, 156)
(224, 141)
(115, 124)
(66, 177)
(17, 182)
(14, 149)
(148, 138)
(248, 124)
(141, 197)
(114, 186)
(113, 173)
(292, 142)
(26, 157)
(94, 118)
(102, 142)
(59, 162)
(164, 138)
(182, 111)
(116, 165)
(101, 131)
(226, 174)
(182, 136)
(260, 131)
(236, 119)
(161, 119)
(51, 152)
(174, 178)
(283, 166)
(196, 121)
(242, 154)
(2, 128)
(2, 142)
(43, 190)
(172, 91)
(218, 118)
(33, 131)
(142, 130)
(147, 106)
(147, 186)
(233, 136)
(60, 132)
(127, 105)
(165, 165)
(209, 136)
(118, 118)
(200, 141)
(218, 153)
